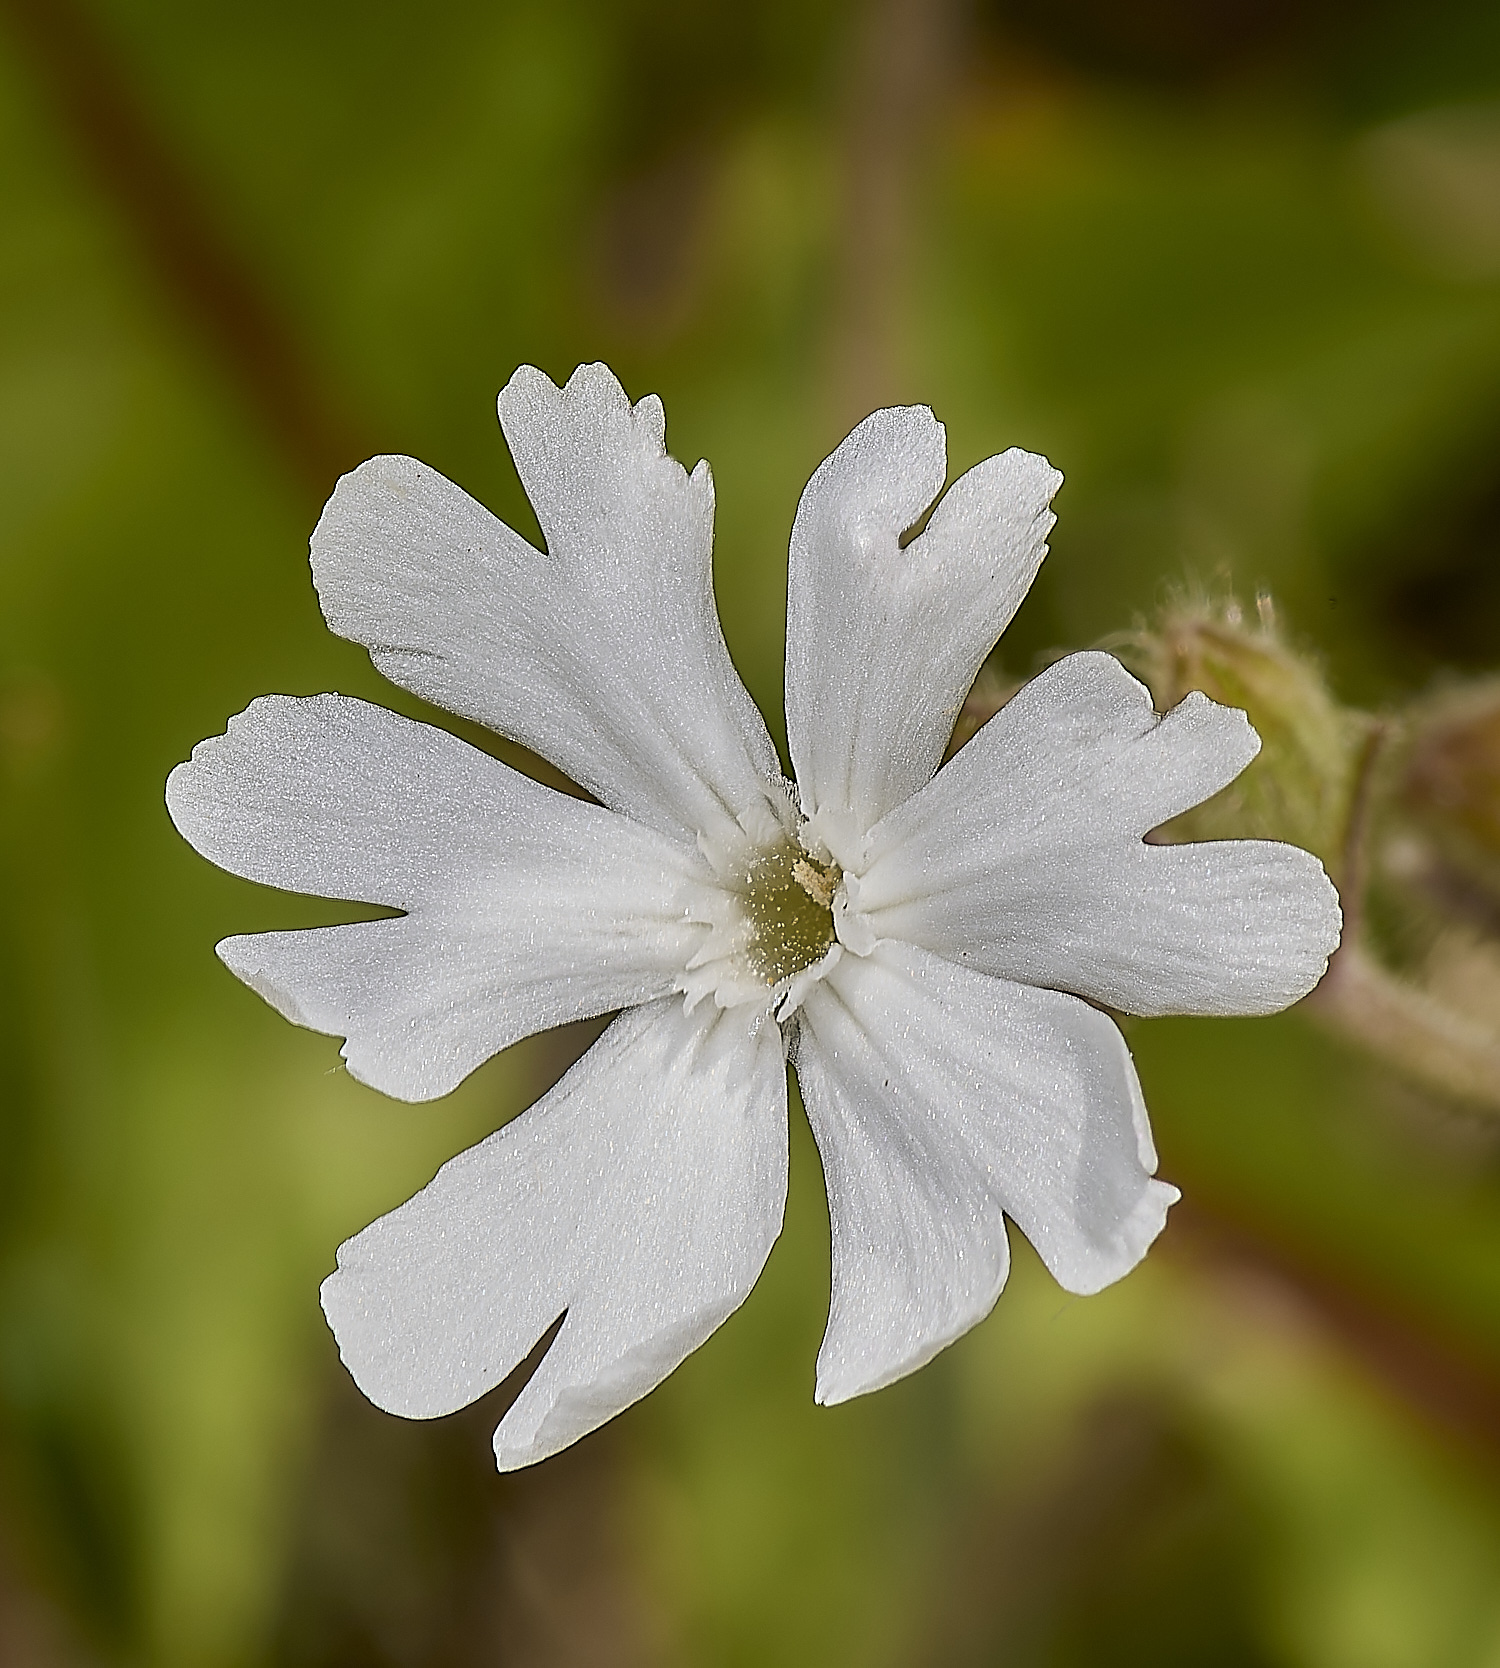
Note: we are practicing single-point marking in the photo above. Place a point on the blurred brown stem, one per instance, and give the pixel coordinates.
(189, 251)
(1393, 1019)
(1434, 1373)
(901, 63)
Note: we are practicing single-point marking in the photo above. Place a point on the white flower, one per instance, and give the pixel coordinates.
(927, 945)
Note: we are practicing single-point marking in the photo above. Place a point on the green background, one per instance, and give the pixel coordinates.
(1236, 271)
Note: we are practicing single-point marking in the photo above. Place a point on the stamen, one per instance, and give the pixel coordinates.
(818, 883)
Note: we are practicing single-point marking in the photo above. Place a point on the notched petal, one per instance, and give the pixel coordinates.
(944, 1101)
(602, 652)
(1024, 857)
(528, 908)
(641, 1196)
(884, 638)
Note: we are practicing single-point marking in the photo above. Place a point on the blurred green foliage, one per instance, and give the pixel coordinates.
(1236, 270)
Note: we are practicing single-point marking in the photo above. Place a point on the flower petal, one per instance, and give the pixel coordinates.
(1024, 857)
(641, 1195)
(602, 653)
(940, 1099)
(528, 908)
(884, 642)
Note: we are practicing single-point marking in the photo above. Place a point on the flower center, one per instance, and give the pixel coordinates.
(788, 903)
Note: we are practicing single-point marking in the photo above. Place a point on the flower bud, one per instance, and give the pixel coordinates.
(1301, 786)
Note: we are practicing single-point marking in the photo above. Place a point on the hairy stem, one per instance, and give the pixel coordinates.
(1396, 1022)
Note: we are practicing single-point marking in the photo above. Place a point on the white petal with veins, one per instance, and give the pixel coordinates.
(1023, 857)
(528, 908)
(603, 652)
(642, 1196)
(882, 643)
(942, 1101)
